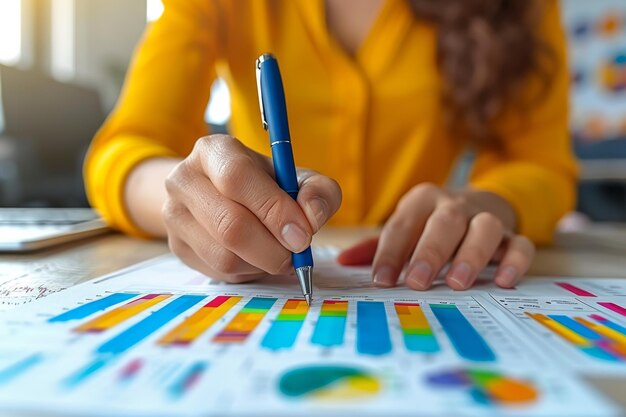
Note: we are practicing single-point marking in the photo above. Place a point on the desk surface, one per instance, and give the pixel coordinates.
(598, 252)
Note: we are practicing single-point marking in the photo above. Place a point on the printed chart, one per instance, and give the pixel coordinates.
(140, 342)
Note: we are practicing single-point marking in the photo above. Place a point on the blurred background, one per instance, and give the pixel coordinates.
(62, 65)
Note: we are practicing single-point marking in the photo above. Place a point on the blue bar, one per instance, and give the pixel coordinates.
(576, 327)
(84, 373)
(614, 326)
(260, 303)
(7, 374)
(421, 343)
(329, 331)
(465, 339)
(598, 353)
(372, 332)
(149, 325)
(282, 334)
(92, 307)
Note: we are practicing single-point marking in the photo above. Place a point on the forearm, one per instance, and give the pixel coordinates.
(144, 194)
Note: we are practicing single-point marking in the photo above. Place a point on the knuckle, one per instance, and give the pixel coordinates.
(229, 229)
(270, 210)
(231, 172)
(450, 213)
(172, 211)
(488, 220)
(425, 189)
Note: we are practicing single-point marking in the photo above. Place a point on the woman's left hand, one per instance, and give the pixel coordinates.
(431, 227)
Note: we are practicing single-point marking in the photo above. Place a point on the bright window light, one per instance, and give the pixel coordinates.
(10, 31)
(154, 9)
(62, 39)
(218, 110)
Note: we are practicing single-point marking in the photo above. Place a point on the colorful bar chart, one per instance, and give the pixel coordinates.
(372, 331)
(189, 378)
(92, 307)
(614, 308)
(418, 336)
(190, 329)
(285, 328)
(468, 343)
(597, 340)
(149, 325)
(244, 323)
(331, 324)
(120, 314)
(574, 289)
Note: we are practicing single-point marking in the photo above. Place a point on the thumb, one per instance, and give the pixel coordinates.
(319, 197)
(360, 254)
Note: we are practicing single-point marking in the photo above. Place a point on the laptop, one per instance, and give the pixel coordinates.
(45, 129)
(28, 229)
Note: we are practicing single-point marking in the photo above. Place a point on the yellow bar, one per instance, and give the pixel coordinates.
(335, 307)
(561, 330)
(197, 323)
(120, 314)
(412, 317)
(615, 336)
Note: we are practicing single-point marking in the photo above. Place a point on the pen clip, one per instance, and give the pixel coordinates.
(259, 89)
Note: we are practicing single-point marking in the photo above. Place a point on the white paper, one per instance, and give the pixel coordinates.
(472, 353)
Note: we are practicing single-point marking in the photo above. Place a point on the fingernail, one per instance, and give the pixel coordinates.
(383, 276)
(419, 274)
(507, 277)
(295, 237)
(316, 208)
(460, 274)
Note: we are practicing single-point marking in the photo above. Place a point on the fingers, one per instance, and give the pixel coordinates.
(360, 254)
(319, 196)
(191, 259)
(238, 176)
(516, 261)
(214, 258)
(230, 225)
(401, 233)
(484, 234)
(442, 235)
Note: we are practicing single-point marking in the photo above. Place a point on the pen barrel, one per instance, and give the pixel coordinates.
(304, 258)
(284, 168)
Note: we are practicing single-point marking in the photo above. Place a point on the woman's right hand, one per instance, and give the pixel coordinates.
(227, 218)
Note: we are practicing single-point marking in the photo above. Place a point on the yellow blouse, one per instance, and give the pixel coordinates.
(373, 121)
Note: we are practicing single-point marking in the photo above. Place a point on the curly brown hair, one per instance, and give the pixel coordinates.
(486, 48)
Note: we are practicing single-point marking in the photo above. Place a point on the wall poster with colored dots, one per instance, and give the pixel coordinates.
(596, 32)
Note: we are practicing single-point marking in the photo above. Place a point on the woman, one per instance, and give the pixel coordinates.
(383, 96)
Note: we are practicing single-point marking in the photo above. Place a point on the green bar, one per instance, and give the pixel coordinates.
(254, 310)
(452, 306)
(334, 314)
(419, 332)
(291, 317)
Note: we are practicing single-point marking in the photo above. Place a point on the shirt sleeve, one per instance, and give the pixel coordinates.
(535, 170)
(161, 110)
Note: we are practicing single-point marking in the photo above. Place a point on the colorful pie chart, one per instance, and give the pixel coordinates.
(329, 383)
(486, 387)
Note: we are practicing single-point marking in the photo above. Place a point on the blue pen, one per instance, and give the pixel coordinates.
(274, 118)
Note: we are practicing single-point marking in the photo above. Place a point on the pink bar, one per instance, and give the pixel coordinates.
(614, 307)
(574, 289)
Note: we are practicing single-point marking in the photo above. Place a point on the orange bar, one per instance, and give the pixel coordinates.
(121, 314)
(189, 330)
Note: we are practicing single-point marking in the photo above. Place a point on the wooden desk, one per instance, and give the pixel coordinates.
(581, 254)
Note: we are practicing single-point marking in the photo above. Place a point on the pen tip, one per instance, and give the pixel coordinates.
(308, 299)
